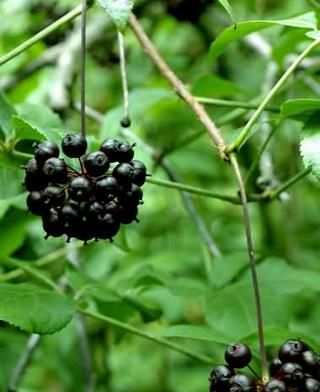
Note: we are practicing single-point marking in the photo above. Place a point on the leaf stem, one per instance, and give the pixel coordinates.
(41, 35)
(246, 130)
(156, 339)
(235, 104)
(275, 193)
(192, 189)
(252, 262)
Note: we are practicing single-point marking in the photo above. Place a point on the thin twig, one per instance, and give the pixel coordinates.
(125, 122)
(252, 262)
(178, 86)
(234, 104)
(83, 57)
(23, 362)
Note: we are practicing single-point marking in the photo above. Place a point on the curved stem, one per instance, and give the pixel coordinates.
(41, 35)
(246, 130)
(252, 262)
(234, 104)
(147, 335)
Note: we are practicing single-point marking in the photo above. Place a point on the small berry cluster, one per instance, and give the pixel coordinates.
(89, 203)
(296, 369)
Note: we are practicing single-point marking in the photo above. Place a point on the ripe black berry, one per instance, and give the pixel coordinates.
(31, 167)
(311, 385)
(52, 224)
(275, 385)
(53, 196)
(35, 203)
(310, 362)
(124, 173)
(128, 214)
(96, 163)
(94, 211)
(56, 170)
(275, 366)
(44, 151)
(291, 373)
(125, 152)
(219, 378)
(74, 145)
(35, 181)
(238, 355)
(84, 231)
(80, 189)
(291, 351)
(110, 148)
(140, 172)
(112, 207)
(106, 188)
(241, 383)
(132, 195)
(108, 226)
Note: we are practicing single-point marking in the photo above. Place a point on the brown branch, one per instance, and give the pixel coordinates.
(178, 85)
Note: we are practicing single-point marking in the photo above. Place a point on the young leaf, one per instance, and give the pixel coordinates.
(34, 309)
(11, 177)
(118, 10)
(226, 5)
(310, 151)
(300, 109)
(231, 34)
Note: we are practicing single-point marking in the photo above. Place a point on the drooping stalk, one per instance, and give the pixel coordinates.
(83, 58)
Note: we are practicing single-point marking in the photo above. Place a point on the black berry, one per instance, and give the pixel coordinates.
(219, 378)
(238, 355)
(108, 226)
(140, 172)
(110, 148)
(310, 362)
(35, 181)
(124, 173)
(106, 188)
(132, 195)
(311, 385)
(74, 145)
(275, 366)
(35, 203)
(241, 383)
(53, 196)
(125, 152)
(291, 373)
(52, 224)
(96, 163)
(291, 351)
(45, 150)
(56, 170)
(275, 385)
(80, 189)
(127, 214)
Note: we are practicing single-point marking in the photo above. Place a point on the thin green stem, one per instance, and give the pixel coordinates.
(147, 335)
(43, 261)
(282, 188)
(194, 190)
(41, 35)
(83, 59)
(248, 127)
(256, 161)
(235, 104)
(252, 263)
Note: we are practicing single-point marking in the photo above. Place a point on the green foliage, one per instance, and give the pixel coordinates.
(118, 11)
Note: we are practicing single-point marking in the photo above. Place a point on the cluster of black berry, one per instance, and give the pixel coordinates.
(296, 369)
(90, 202)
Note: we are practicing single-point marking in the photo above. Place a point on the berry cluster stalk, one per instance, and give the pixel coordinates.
(83, 67)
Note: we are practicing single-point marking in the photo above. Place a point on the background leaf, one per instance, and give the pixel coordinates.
(118, 10)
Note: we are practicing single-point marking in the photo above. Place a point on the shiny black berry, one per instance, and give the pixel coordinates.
(35, 181)
(74, 145)
(125, 152)
(56, 170)
(108, 226)
(275, 366)
(291, 373)
(110, 148)
(275, 385)
(112, 208)
(94, 211)
(70, 214)
(238, 355)
(311, 385)
(292, 350)
(31, 167)
(124, 173)
(35, 203)
(52, 224)
(310, 362)
(84, 231)
(44, 151)
(241, 383)
(127, 214)
(132, 195)
(96, 163)
(80, 189)
(53, 196)
(219, 378)
(106, 188)
(140, 172)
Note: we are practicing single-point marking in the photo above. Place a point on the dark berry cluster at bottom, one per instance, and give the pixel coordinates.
(296, 369)
(90, 202)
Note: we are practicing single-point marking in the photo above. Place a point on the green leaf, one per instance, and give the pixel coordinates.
(234, 305)
(34, 309)
(6, 112)
(310, 152)
(11, 176)
(231, 34)
(214, 86)
(118, 10)
(226, 5)
(300, 109)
